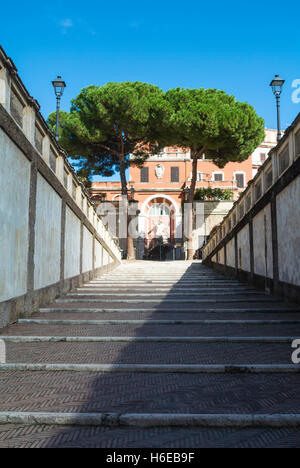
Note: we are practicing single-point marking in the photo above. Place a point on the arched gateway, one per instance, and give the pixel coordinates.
(159, 226)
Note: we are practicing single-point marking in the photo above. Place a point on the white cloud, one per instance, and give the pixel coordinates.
(67, 23)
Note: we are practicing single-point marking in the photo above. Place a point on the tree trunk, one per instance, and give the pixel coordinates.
(190, 212)
(130, 247)
(123, 176)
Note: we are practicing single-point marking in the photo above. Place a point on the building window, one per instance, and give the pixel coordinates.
(218, 176)
(158, 209)
(174, 174)
(199, 176)
(240, 180)
(144, 174)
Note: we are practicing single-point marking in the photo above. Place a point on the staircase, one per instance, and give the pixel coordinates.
(153, 354)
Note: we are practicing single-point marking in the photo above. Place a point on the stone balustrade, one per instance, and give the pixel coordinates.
(259, 238)
(51, 237)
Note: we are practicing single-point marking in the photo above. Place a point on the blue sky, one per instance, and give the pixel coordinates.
(230, 45)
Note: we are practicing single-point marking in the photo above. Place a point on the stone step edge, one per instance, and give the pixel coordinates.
(147, 339)
(170, 310)
(156, 322)
(150, 419)
(156, 368)
(166, 300)
(168, 294)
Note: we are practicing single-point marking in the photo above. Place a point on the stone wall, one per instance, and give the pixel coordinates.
(51, 238)
(259, 240)
(14, 221)
(209, 215)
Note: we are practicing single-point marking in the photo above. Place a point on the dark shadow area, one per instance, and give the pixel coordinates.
(130, 392)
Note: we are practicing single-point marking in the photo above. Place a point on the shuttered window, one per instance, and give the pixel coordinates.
(240, 180)
(144, 174)
(174, 174)
(218, 177)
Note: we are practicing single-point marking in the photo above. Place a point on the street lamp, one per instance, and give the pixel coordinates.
(59, 87)
(276, 85)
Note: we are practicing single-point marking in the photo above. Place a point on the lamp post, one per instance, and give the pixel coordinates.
(59, 87)
(276, 85)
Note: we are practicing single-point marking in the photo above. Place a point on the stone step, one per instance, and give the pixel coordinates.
(160, 289)
(153, 368)
(166, 277)
(207, 300)
(152, 289)
(147, 339)
(168, 284)
(51, 436)
(152, 420)
(154, 345)
(253, 310)
(81, 392)
(91, 322)
(162, 328)
(171, 293)
(163, 278)
(137, 353)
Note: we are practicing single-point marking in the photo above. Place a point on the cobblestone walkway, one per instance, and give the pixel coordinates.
(169, 355)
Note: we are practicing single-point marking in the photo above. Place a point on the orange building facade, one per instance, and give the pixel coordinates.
(160, 186)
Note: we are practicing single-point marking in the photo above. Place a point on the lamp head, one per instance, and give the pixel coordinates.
(59, 86)
(276, 85)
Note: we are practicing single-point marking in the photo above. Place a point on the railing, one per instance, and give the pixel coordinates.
(280, 159)
(223, 184)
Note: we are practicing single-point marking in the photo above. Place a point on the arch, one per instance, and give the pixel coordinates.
(159, 195)
(116, 196)
(161, 209)
(143, 217)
